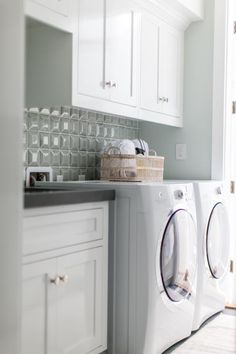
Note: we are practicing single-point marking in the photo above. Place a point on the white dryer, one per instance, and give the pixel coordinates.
(152, 280)
(213, 249)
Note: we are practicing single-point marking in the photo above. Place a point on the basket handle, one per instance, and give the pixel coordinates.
(113, 148)
(153, 151)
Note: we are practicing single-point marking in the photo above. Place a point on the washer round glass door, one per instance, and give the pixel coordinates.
(217, 241)
(178, 255)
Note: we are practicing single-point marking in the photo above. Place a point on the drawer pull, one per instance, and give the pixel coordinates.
(55, 281)
(64, 278)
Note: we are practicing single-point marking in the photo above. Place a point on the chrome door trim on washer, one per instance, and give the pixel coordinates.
(178, 255)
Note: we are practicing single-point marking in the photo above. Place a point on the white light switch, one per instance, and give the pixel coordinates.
(181, 151)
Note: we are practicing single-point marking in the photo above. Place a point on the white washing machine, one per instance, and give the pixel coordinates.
(213, 249)
(152, 265)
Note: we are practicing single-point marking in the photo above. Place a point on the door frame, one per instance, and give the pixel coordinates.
(222, 102)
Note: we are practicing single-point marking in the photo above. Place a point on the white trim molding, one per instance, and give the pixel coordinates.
(219, 109)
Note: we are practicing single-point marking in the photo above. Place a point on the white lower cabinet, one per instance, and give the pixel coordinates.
(65, 298)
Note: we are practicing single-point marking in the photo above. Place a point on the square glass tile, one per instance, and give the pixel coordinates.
(90, 175)
(55, 172)
(55, 141)
(91, 145)
(55, 124)
(91, 160)
(92, 117)
(25, 127)
(83, 160)
(74, 126)
(83, 128)
(74, 143)
(100, 130)
(83, 115)
(65, 172)
(92, 129)
(45, 158)
(33, 139)
(55, 158)
(65, 125)
(44, 140)
(44, 122)
(108, 119)
(100, 143)
(33, 157)
(33, 121)
(65, 142)
(25, 157)
(74, 159)
(83, 144)
(25, 140)
(74, 174)
(65, 158)
(99, 118)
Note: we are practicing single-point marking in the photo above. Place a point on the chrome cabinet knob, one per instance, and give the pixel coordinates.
(108, 83)
(114, 85)
(55, 280)
(162, 99)
(64, 278)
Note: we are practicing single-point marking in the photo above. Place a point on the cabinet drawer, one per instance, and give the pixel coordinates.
(61, 229)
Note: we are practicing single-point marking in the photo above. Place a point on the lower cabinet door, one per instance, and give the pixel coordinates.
(38, 306)
(80, 324)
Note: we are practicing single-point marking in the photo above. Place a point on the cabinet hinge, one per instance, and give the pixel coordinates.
(231, 266)
(233, 107)
(234, 27)
(232, 187)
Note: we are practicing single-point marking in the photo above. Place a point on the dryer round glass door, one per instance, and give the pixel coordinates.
(178, 256)
(217, 241)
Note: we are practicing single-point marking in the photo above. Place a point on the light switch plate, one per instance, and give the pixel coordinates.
(181, 151)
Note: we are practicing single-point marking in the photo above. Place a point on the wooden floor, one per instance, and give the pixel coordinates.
(217, 336)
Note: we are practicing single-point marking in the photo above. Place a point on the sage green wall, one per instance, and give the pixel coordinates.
(48, 66)
(198, 82)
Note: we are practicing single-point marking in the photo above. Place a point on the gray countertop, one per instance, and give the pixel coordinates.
(43, 197)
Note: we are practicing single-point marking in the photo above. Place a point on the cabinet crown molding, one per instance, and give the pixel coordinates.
(174, 11)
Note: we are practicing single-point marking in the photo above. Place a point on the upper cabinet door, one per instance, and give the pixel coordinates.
(122, 54)
(91, 50)
(170, 70)
(150, 63)
(161, 68)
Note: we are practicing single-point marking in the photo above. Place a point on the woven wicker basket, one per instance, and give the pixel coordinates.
(136, 168)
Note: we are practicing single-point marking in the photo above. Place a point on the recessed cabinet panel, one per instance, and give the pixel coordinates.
(62, 229)
(79, 322)
(170, 70)
(122, 52)
(150, 73)
(161, 71)
(37, 308)
(92, 49)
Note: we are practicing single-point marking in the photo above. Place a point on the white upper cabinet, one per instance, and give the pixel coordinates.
(56, 13)
(106, 56)
(122, 41)
(90, 67)
(161, 63)
(170, 69)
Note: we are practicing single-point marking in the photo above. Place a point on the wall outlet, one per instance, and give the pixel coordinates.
(181, 151)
